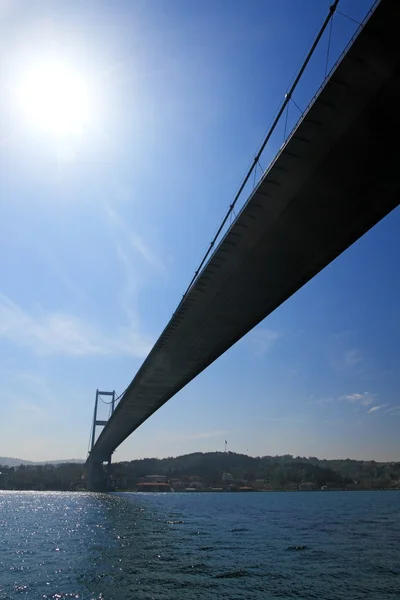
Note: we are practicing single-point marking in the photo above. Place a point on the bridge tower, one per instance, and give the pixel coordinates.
(98, 476)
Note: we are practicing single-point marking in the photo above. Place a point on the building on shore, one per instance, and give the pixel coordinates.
(155, 479)
(307, 486)
(150, 486)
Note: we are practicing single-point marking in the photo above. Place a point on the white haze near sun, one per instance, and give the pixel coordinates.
(54, 98)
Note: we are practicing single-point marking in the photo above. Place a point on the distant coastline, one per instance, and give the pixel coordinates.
(211, 472)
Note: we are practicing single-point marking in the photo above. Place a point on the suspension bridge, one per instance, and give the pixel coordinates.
(335, 177)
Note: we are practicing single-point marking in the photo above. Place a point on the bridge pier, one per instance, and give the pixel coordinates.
(98, 476)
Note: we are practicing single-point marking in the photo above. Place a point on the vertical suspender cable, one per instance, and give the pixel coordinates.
(329, 48)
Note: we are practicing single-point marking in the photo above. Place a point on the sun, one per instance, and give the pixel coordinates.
(55, 98)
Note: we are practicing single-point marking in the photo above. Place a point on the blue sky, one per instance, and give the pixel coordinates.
(104, 223)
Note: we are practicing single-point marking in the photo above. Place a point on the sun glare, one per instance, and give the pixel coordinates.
(55, 99)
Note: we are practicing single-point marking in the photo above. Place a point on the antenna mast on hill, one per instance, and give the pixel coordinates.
(226, 443)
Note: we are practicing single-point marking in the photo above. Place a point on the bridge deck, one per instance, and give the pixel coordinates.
(335, 178)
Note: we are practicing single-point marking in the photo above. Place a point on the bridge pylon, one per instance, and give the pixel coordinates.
(98, 474)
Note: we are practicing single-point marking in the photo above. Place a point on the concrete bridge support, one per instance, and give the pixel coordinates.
(98, 475)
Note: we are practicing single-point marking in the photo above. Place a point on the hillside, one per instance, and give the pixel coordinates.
(6, 461)
(277, 471)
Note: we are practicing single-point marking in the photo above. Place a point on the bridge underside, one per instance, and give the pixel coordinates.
(335, 178)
